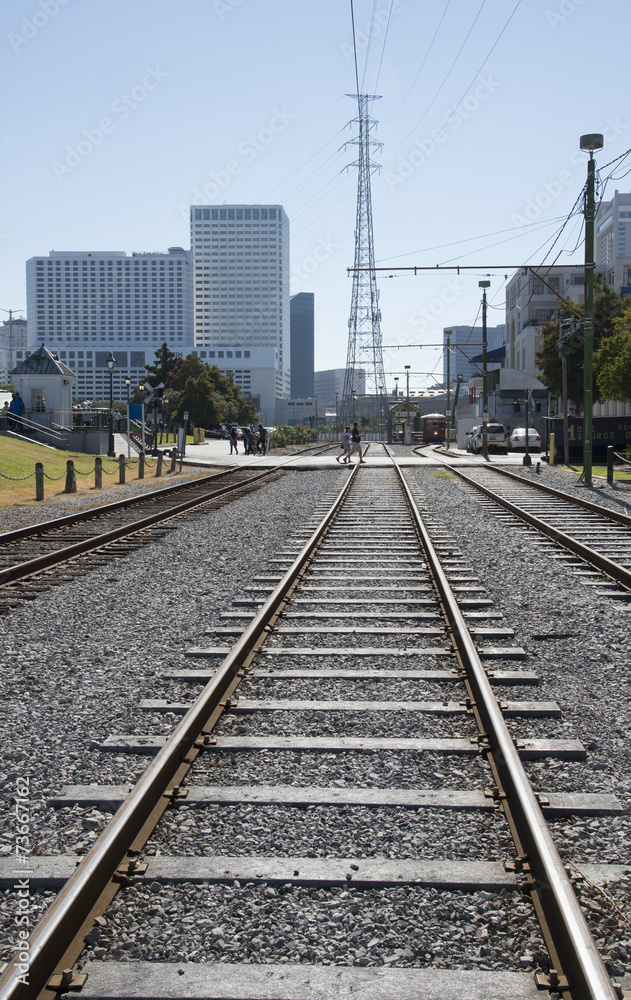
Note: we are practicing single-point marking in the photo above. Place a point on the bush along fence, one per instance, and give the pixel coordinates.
(121, 465)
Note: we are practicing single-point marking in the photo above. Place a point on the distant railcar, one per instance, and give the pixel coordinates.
(433, 428)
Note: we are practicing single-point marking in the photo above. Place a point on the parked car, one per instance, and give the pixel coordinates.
(496, 438)
(517, 439)
(217, 431)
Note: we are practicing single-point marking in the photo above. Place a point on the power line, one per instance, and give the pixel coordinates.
(470, 239)
(479, 70)
(425, 57)
(446, 76)
(383, 48)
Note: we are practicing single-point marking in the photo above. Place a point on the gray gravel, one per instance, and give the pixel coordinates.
(399, 927)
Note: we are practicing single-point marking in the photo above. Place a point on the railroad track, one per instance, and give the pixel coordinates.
(36, 557)
(366, 742)
(589, 533)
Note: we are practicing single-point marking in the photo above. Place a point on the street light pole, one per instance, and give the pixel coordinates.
(589, 143)
(485, 394)
(316, 417)
(110, 362)
(337, 419)
(408, 429)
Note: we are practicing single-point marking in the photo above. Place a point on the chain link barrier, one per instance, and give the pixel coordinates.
(19, 480)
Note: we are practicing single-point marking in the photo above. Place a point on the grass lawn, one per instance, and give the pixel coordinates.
(18, 458)
(621, 473)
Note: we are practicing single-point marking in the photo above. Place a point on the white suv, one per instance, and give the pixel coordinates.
(496, 438)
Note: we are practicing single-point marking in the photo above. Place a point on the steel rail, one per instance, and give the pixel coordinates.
(78, 900)
(595, 508)
(20, 571)
(44, 527)
(610, 568)
(582, 964)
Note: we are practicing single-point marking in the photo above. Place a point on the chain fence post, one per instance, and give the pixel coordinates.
(98, 473)
(121, 470)
(71, 479)
(610, 464)
(39, 481)
(159, 466)
(141, 466)
(173, 457)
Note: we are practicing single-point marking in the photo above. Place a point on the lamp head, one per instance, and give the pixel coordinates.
(484, 284)
(128, 381)
(111, 361)
(592, 141)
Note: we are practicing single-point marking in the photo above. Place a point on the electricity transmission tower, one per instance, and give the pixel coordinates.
(364, 380)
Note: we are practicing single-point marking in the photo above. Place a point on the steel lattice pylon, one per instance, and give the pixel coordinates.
(364, 381)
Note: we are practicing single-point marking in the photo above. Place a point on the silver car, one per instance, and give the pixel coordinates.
(517, 439)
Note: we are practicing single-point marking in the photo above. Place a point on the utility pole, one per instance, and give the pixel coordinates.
(589, 143)
(364, 351)
(563, 326)
(408, 429)
(485, 394)
(448, 398)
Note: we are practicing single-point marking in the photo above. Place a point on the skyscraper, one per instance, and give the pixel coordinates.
(241, 285)
(83, 305)
(302, 344)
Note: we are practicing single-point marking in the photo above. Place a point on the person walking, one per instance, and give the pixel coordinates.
(346, 447)
(5, 415)
(356, 442)
(16, 407)
(262, 439)
(234, 437)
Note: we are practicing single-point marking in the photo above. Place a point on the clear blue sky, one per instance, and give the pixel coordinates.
(119, 114)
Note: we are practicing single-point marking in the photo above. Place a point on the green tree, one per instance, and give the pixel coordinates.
(608, 306)
(612, 361)
(164, 365)
(209, 396)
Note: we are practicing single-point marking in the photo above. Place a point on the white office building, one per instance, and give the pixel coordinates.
(613, 242)
(241, 291)
(84, 305)
(531, 300)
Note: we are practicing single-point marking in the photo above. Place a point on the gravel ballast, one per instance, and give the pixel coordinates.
(79, 659)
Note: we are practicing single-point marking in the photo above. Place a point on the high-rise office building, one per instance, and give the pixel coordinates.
(85, 305)
(466, 343)
(13, 338)
(301, 309)
(241, 289)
